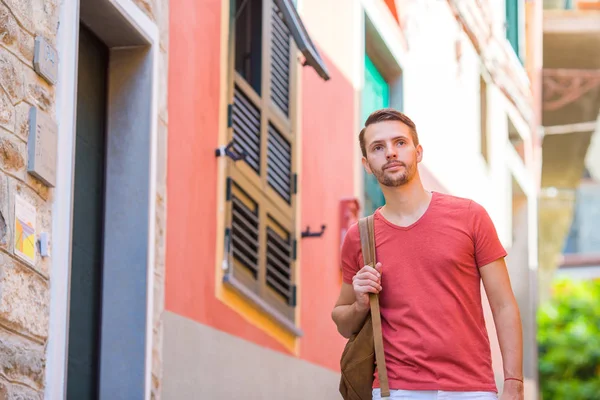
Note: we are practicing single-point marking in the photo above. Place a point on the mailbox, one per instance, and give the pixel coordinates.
(349, 215)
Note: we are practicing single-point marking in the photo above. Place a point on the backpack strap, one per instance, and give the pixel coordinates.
(366, 228)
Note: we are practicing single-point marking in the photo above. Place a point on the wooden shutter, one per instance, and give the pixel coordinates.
(280, 61)
(260, 210)
(245, 235)
(245, 228)
(279, 164)
(246, 129)
(279, 260)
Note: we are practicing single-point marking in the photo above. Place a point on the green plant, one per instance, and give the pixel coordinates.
(569, 341)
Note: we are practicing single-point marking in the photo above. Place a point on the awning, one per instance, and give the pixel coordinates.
(301, 37)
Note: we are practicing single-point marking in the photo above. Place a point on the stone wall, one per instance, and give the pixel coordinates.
(24, 289)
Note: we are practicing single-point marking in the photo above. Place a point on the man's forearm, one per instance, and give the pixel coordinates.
(349, 319)
(510, 337)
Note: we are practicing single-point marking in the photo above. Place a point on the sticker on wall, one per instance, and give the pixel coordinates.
(25, 217)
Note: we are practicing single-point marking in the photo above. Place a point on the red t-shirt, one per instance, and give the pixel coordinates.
(434, 333)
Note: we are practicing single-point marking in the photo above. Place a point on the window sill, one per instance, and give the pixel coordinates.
(230, 281)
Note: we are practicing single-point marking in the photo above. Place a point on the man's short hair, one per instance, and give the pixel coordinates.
(387, 114)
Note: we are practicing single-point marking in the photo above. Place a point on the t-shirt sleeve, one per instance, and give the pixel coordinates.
(351, 254)
(485, 237)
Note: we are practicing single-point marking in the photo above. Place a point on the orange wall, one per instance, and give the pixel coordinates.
(325, 178)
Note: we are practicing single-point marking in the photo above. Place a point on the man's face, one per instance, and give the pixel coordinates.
(392, 156)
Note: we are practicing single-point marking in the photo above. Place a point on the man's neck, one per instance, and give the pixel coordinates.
(407, 203)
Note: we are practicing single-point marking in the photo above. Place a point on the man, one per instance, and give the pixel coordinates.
(432, 251)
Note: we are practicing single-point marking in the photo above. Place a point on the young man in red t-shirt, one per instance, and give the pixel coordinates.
(433, 250)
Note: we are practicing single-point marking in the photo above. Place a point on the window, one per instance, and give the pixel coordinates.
(261, 185)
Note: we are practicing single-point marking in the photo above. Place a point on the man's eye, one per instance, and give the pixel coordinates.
(401, 142)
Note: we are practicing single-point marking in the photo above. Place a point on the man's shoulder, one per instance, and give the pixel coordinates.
(465, 207)
(449, 201)
(352, 236)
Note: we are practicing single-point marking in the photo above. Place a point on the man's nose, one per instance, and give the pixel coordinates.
(390, 152)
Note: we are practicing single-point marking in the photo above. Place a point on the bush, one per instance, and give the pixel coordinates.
(569, 341)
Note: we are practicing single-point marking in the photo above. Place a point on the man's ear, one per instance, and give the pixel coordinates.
(419, 153)
(366, 166)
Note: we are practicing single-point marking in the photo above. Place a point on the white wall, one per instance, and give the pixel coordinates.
(442, 97)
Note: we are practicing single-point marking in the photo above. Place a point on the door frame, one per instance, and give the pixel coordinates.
(134, 28)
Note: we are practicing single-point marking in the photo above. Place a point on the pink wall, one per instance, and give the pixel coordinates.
(326, 177)
(328, 139)
(194, 77)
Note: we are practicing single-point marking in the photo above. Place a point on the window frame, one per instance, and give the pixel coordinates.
(256, 185)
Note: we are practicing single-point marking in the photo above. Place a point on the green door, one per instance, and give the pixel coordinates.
(88, 219)
(512, 25)
(375, 95)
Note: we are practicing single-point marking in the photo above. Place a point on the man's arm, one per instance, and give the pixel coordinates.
(353, 304)
(347, 314)
(508, 322)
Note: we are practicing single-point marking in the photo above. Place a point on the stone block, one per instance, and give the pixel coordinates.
(23, 12)
(13, 154)
(14, 37)
(11, 391)
(45, 18)
(22, 120)
(39, 92)
(21, 360)
(12, 76)
(7, 112)
(24, 299)
(38, 186)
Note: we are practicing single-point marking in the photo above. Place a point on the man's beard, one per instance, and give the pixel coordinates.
(398, 180)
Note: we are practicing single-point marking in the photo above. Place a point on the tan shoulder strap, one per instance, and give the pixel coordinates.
(366, 229)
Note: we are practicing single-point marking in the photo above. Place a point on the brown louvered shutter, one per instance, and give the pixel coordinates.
(279, 164)
(260, 212)
(280, 61)
(246, 129)
(279, 260)
(245, 231)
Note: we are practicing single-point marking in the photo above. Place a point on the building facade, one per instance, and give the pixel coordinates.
(205, 263)
(571, 104)
(83, 121)
(264, 173)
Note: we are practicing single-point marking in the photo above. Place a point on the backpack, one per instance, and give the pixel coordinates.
(364, 350)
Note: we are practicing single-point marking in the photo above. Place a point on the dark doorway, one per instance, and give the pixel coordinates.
(88, 219)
